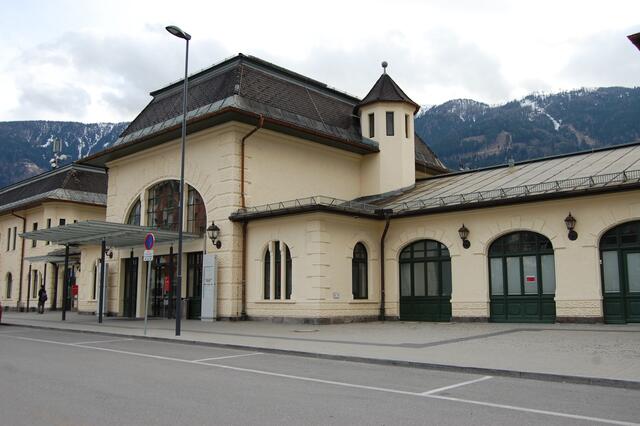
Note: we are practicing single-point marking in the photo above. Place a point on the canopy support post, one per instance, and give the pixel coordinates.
(65, 284)
(103, 253)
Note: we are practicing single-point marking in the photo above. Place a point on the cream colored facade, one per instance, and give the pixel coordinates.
(278, 168)
(10, 260)
(322, 249)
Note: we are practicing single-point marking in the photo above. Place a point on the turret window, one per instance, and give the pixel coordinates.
(372, 132)
(406, 126)
(390, 130)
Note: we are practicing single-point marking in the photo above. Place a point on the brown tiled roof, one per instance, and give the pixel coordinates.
(275, 90)
(635, 39)
(243, 88)
(70, 183)
(426, 158)
(386, 90)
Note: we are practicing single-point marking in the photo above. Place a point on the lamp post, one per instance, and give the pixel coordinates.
(183, 35)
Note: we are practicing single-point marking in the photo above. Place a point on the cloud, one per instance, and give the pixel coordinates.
(444, 64)
(69, 100)
(604, 59)
(79, 75)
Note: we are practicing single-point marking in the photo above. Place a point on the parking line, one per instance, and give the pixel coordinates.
(343, 384)
(103, 341)
(533, 410)
(432, 391)
(226, 357)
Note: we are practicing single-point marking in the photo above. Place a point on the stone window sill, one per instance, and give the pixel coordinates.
(275, 302)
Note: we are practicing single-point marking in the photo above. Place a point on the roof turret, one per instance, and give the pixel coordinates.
(386, 90)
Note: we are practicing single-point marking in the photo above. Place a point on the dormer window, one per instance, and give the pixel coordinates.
(372, 123)
(390, 131)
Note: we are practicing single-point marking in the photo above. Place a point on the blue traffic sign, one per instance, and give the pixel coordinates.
(149, 241)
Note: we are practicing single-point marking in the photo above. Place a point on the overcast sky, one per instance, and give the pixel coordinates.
(98, 60)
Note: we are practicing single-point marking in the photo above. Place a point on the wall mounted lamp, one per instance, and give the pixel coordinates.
(570, 222)
(464, 233)
(214, 232)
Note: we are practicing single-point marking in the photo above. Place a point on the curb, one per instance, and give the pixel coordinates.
(547, 377)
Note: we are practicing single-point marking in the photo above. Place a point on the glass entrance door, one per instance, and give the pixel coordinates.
(163, 279)
(194, 284)
(130, 287)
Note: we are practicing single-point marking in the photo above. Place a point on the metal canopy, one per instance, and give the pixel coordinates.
(55, 256)
(93, 232)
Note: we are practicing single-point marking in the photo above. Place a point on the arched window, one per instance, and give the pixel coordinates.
(273, 272)
(522, 278)
(267, 274)
(620, 269)
(163, 205)
(196, 213)
(9, 285)
(359, 278)
(425, 282)
(134, 214)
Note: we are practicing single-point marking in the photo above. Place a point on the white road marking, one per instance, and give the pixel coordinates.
(103, 341)
(535, 411)
(226, 357)
(432, 391)
(343, 384)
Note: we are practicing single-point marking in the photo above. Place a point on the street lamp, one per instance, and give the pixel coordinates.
(181, 34)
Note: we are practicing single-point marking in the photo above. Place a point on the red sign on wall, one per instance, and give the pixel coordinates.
(530, 278)
(167, 284)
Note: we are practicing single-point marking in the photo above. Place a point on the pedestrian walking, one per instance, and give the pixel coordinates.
(42, 297)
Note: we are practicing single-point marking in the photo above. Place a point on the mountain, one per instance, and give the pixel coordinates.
(463, 132)
(26, 145)
(471, 134)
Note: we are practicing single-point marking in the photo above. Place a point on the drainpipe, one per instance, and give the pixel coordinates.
(24, 229)
(243, 290)
(387, 216)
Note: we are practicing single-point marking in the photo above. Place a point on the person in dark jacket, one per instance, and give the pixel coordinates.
(42, 297)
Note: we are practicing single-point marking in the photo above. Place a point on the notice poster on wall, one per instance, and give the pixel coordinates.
(530, 279)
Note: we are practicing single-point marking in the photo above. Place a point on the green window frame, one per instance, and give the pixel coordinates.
(520, 260)
(425, 270)
(359, 273)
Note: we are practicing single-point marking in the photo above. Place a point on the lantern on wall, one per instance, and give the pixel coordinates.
(464, 233)
(570, 222)
(214, 233)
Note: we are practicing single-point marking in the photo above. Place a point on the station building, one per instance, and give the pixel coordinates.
(63, 196)
(331, 209)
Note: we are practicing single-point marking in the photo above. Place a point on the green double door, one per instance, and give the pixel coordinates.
(425, 282)
(621, 286)
(522, 278)
(620, 269)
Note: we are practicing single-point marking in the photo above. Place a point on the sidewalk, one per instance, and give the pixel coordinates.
(598, 354)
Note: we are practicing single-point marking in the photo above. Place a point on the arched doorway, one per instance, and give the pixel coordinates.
(425, 282)
(522, 278)
(620, 269)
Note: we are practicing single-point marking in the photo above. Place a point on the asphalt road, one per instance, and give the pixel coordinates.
(67, 378)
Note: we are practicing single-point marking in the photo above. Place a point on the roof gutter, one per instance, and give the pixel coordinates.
(243, 201)
(24, 229)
